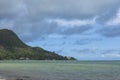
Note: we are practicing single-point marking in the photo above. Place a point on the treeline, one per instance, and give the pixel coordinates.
(29, 54)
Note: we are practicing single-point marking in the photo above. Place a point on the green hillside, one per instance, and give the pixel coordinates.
(12, 48)
(10, 39)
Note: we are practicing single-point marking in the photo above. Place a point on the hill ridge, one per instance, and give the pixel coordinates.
(9, 39)
(12, 48)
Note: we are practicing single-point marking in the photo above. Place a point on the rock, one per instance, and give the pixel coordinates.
(2, 78)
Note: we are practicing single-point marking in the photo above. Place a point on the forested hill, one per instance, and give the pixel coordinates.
(12, 48)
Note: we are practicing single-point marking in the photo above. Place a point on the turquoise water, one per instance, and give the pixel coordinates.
(62, 70)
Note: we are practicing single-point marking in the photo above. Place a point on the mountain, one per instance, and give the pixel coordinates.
(12, 48)
(9, 39)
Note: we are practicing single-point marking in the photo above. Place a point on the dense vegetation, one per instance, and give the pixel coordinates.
(12, 48)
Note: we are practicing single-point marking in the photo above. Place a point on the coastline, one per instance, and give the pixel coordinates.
(9, 77)
(3, 78)
(15, 78)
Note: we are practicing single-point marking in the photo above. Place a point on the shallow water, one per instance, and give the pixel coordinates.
(61, 70)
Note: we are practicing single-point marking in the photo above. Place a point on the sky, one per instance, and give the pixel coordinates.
(84, 29)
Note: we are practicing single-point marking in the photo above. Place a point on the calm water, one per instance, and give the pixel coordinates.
(62, 70)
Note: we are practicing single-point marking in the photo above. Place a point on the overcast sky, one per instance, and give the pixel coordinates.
(84, 29)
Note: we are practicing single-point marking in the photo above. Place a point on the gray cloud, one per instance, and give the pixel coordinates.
(105, 17)
(96, 51)
(39, 30)
(26, 17)
(86, 41)
(76, 30)
(11, 9)
(63, 9)
(110, 31)
(70, 8)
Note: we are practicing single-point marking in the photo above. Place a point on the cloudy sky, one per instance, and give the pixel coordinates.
(84, 29)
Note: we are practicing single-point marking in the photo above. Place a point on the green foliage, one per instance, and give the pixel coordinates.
(12, 48)
(10, 39)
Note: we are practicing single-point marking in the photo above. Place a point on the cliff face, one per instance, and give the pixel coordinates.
(11, 47)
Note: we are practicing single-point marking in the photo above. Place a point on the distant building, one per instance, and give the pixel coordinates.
(21, 58)
(69, 58)
(24, 58)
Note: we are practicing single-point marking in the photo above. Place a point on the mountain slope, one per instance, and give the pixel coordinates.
(12, 48)
(10, 39)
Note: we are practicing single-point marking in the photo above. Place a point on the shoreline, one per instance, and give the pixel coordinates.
(16, 78)
(2, 78)
(8, 75)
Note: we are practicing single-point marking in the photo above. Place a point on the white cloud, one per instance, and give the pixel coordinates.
(115, 20)
(112, 55)
(72, 23)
